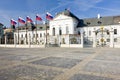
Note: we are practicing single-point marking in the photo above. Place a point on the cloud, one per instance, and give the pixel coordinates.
(82, 5)
(90, 8)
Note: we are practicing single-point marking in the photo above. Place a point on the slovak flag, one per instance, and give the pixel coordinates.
(21, 20)
(38, 17)
(29, 19)
(13, 22)
(49, 16)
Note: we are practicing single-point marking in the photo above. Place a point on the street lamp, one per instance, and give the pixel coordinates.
(102, 40)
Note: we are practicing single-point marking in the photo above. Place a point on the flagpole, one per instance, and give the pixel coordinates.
(46, 31)
(11, 27)
(26, 32)
(36, 31)
(18, 32)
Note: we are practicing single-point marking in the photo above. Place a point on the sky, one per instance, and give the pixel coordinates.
(12, 9)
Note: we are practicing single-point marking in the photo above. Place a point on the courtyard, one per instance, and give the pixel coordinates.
(59, 64)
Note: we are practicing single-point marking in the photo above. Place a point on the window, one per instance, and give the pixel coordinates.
(84, 33)
(88, 23)
(53, 32)
(40, 35)
(25, 35)
(44, 34)
(115, 39)
(36, 35)
(89, 33)
(115, 31)
(108, 32)
(67, 30)
(78, 32)
(60, 31)
(0, 31)
(99, 22)
(22, 36)
(108, 40)
(33, 35)
(41, 27)
(47, 27)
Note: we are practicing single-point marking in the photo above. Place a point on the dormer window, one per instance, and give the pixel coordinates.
(99, 22)
(88, 23)
(41, 27)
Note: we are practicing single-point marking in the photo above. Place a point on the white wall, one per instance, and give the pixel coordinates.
(62, 22)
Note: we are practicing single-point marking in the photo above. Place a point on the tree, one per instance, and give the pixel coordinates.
(12, 26)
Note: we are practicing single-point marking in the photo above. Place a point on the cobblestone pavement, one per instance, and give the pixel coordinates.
(59, 64)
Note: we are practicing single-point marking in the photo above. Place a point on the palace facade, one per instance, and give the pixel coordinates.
(67, 30)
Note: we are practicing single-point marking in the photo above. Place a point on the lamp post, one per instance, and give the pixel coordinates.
(102, 40)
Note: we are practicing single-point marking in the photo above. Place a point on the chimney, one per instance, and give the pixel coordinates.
(98, 16)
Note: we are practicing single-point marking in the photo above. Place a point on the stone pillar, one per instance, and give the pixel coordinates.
(94, 39)
(5, 39)
(29, 37)
(26, 39)
(111, 38)
(59, 40)
(15, 39)
(82, 39)
(69, 42)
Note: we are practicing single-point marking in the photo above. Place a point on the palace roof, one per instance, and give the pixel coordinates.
(107, 20)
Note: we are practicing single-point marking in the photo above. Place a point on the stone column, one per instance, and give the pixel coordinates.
(15, 40)
(26, 39)
(5, 39)
(94, 39)
(59, 40)
(29, 37)
(111, 39)
(82, 37)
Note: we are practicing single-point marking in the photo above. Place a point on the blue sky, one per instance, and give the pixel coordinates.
(81, 8)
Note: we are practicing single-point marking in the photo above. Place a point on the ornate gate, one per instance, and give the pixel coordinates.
(102, 37)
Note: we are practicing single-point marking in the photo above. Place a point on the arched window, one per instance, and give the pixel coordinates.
(53, 32)
(60, 31)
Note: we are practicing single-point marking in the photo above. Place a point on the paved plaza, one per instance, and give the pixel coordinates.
(59, 64)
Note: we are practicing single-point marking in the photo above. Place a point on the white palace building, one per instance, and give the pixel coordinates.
(67, 30)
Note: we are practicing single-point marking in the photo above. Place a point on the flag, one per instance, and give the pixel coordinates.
(38, 17)
(13, 22)
(21, 20)
(29, 19)
(49, 16)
